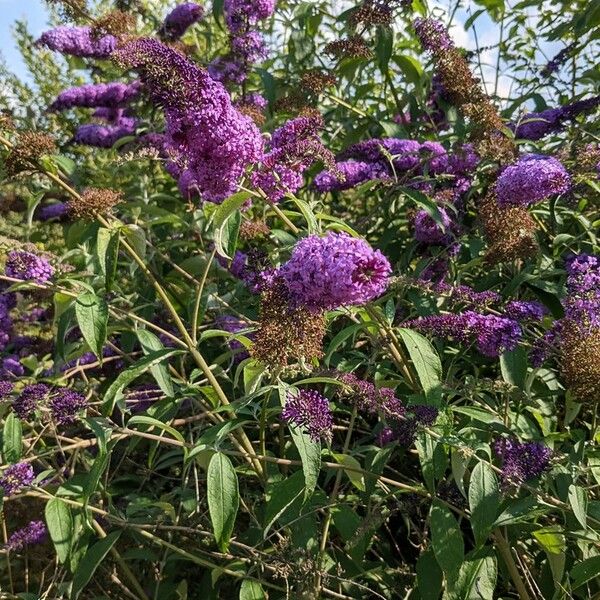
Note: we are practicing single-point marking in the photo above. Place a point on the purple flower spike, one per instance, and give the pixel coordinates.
(33, 533)
(531, 179)
(29, 399)
(309, 411)
(16, 477)
(28, 266)
(335, 270)
(522, 461)
(94, 95)
(181, 18)
(65, 404)
(103, 136)
(78, 41)
(433, 35)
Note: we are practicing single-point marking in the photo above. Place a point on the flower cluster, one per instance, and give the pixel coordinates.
(34, 532)
(16, 477)
(336, 270)
(522, 461)
(554, 64)
(492, 335)
(531, 179)
(104, 136)
(393, 158)
(212, 142)
(28, 266)
(29, 399)
(93, 95)
(78, 41)
(181, 18)
(247, 45)
(310, 411)
(294, 147)
(64, 404)
(535, 125)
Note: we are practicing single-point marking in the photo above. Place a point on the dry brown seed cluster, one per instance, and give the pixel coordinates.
(352, 47)
(510, 231)
(94, 201)
(115, 22)
(465, 92)
(580, 361)
(371, 13)
(250, 110)
(284, 332)
(29, 147)
(316, 80)
(250, 230)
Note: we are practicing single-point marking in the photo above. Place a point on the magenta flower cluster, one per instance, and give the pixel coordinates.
(34, 532)
(293, 148)
(92, 95)
(28, 266)
(16, 477)
(536, 125)
(309, 411)
(78, 41)
(531, 179)
(181, 18)
(334, 270)
(522, 461)
(212, 143)
(491, 334)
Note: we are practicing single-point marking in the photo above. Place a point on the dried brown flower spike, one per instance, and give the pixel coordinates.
(29, 148)
(94, 201)
(510, 231)
(284, 332)
(353, 47)
(115, 22)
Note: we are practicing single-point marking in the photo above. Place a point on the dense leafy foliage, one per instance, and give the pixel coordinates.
(301, 300)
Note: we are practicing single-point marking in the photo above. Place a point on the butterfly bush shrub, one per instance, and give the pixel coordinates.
(301, 300)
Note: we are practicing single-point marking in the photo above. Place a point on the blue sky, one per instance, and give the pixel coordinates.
(11, 10)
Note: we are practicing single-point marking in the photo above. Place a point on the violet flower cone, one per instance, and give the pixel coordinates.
(93, 95)
(335, 270)
(212, 141)
(531, 179)
(309, 411)
(181, 18)
(78, 41)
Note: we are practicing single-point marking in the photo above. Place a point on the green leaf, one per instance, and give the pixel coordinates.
(284, 495)
(353, 473)
(90, 562)
(223, 498)
(584, 571)
(107, 254)
(150, 342)
(136, 238)
(310, 455)
(225, 236)
(308, 214)
(12, 439)
(578, 500)
(427, 363)
(551, 539)
(384, 47)
(476, 579)
(133, 372)
(484, 501)
(429, 576)
(91, 312)
(60, 527)
(513, 366)
(252, 590)
(410, 67)
(446, 539)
